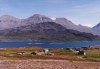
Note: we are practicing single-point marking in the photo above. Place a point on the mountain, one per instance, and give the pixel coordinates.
(41, 28)
(7, 21)
(70, 25)
(47, 31)
(36, 18)
(66, 23)
(84, 29)
(97, 27)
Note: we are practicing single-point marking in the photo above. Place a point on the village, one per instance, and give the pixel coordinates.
(40, 52)
(48, 51)
(89, 53)
(59, 53)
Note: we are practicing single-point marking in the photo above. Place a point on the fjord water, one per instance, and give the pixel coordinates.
(47, 44)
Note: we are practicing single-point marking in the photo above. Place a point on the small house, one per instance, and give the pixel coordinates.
(43, 52)
(46, 51)
(20, 53)
(38, 53)
(34, 53)
(81, 53)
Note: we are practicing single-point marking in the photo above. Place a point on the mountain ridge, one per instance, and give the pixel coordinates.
(42, 28)
(34, 19)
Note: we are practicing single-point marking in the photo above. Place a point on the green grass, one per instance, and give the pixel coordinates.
(93, 52)
(92, 55)
(60, 54)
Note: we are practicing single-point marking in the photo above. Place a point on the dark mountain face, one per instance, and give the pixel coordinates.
(97, 26)
(50, 31)
(46, 27)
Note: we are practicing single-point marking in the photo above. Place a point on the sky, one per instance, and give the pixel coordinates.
(84, 12)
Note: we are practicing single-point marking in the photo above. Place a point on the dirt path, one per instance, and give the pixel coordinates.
(47, 64)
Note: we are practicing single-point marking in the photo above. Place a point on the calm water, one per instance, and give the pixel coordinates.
(48, 45)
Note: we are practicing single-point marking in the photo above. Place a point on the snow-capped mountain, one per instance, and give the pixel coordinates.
(7, 22)
(43, 28)
(37, 18)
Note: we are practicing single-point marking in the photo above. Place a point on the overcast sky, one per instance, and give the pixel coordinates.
(85, 12)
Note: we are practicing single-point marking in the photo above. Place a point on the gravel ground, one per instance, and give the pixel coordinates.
(47, 64)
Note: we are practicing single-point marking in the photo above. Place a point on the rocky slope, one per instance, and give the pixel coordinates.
(7, 21)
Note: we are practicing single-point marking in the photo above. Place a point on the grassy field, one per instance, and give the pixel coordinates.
(62, 59)
(92, 55)
(59, 54)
